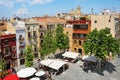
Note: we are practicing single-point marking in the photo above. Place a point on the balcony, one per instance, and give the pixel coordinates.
(35, 36)
(42, 30)
(81, 31)
(21, 39)
(79, 36)
(41, 37)
(21, 55)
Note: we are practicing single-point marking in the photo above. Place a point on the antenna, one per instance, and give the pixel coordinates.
(92, 11)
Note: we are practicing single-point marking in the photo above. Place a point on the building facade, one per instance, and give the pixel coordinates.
(48, 24)
(18, 27)
(8, 49)
(20, 42)
(117, 29)
(78, 34)
(33, 36)
(101, 21)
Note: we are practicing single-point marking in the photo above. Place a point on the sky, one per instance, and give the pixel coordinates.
(30, 8)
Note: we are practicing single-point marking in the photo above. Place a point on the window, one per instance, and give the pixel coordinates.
(13, 39)
(14, 48)
(36, 55)
(21, 52)
(29, 34)
(20, 36)
(14, 56)
(28, 28)
(7, 51)
(95, 21)
(15, 63)
(40, 26)
(75, 49)
(75, 41)
(34, 33)
(35, 49)
(67, 32)
(80, 42)
(22, 61)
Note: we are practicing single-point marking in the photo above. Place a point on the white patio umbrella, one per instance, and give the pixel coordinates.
(40, 73)
(26, 72)
(35, 78)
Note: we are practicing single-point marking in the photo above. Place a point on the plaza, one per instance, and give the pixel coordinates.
(75, 72)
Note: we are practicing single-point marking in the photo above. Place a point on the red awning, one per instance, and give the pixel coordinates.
(11, 77)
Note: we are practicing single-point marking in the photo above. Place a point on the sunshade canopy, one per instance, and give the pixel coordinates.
(56, 64)
(40, 73)
(26, 72)
(72, 55)
(46, 62)
(35, 78)
(11, 77)
(53, 63)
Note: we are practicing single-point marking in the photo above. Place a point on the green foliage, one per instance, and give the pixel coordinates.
(61, 39)
(28, 56)
(101, 43)
(48, 44)
(2, 64)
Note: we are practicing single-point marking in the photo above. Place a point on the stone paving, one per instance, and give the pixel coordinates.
(75, 72)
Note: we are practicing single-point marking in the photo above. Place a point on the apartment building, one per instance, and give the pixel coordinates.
(101, 21)
(33, 36)
(18, 27)
(8, 49)
(77, 31)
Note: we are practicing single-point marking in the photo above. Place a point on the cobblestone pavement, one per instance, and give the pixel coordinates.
(75, 72)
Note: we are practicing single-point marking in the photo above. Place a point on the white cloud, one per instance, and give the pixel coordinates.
(40, 1)
(7, 3)
(11, 3)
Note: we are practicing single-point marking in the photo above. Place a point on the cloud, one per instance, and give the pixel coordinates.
(11, 3)
(40, 1)
(7, 3)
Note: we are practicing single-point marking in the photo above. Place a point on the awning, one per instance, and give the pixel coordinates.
(26, 72)
(57, 64)
(72, 55)
(46, 62)
(89, 58)
(11, 77)
(34, 78)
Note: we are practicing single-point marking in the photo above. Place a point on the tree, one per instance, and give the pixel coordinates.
(2, 64)
(28, 56)
(48, 44)
(61, 39)
(100, 44)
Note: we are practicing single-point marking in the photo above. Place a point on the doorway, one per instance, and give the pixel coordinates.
(8, 65)
(80, 51)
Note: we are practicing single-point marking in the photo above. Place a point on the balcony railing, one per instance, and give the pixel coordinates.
(21, 39)
(42, 29)
(21, 55)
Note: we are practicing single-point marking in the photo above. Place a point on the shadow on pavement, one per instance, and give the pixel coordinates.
(107, 66)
